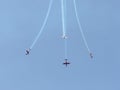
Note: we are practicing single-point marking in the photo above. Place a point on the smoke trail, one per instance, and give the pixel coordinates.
(63, 10)
(44, 23)
(81, 30)
(63, 16)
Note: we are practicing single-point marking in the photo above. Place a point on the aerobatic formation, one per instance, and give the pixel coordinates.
(64, 31)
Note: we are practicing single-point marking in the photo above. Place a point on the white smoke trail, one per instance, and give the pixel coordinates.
(63, 17)
(81, 30)
(63, 10)
(44, 23)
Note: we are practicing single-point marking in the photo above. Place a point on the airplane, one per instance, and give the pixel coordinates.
(91, 55)
(27, 51)
(66, 62)
(64, 37)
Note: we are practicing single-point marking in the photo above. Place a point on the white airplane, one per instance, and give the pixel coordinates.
(64, 37)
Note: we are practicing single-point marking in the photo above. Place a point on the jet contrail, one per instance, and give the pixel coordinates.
(44, 23)
(81, 30)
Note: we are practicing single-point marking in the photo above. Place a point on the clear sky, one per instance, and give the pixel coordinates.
(20, 21)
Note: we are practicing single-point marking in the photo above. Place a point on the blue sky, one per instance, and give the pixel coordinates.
(20, 21)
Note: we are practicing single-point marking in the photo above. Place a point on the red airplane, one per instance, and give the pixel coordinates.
(66, 62)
